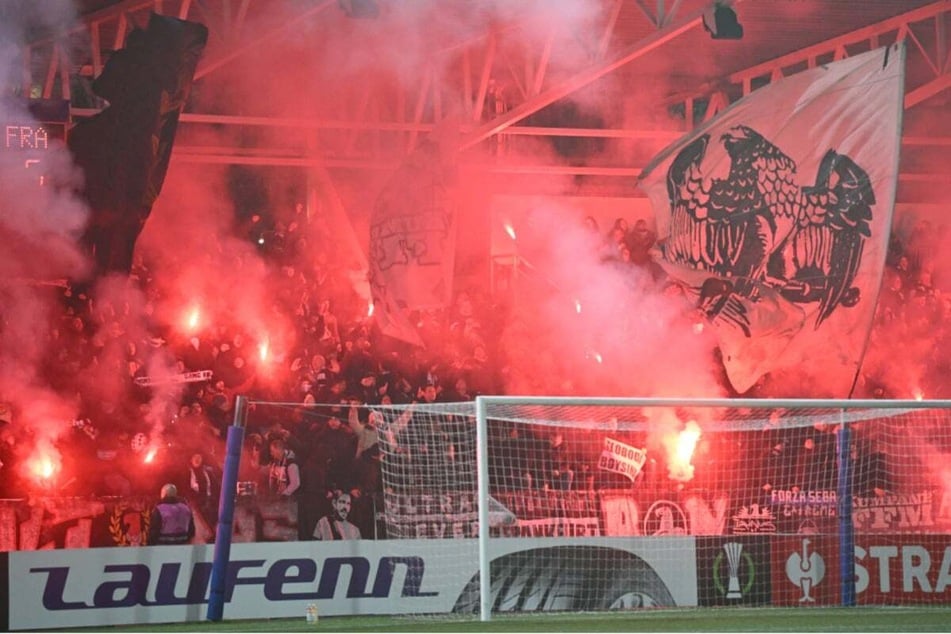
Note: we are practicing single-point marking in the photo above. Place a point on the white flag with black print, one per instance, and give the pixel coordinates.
(413, 237)
(775, 217)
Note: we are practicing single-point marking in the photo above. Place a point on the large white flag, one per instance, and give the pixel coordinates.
(413, 239)
(775, 216)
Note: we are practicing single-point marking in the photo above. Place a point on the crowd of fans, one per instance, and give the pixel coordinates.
(127, 440)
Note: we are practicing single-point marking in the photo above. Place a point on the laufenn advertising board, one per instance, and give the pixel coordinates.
(162, 584)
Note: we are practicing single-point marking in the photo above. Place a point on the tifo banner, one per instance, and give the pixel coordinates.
(551, 513)
(775, 217)
(621, 458)
(431, 515)
(413, 239)
(74, 522)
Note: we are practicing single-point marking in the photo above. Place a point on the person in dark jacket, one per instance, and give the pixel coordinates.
(172, 521)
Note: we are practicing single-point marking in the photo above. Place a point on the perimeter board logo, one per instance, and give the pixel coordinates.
(733, 571)
(805, 571)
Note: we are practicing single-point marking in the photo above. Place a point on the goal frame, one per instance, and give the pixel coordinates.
(483, 405)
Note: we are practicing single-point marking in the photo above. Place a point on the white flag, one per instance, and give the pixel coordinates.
(622, 458)
(775, 216)
(413, 239)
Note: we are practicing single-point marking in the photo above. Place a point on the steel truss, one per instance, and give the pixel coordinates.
(54, 67)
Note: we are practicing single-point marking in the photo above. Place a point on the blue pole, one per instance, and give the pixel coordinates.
(229, 485)
(846, 527)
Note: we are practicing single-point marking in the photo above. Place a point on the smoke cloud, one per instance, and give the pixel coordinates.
(578, 323)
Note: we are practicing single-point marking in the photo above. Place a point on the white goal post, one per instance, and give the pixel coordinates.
(694, 489)
(517, 504)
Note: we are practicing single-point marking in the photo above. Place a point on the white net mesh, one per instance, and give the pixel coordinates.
(759, 488)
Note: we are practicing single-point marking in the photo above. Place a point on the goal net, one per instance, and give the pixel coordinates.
(589, 504)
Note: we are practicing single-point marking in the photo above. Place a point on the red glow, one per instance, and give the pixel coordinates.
(918, 394)
(698, 328)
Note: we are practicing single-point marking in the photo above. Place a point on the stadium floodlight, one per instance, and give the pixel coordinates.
(722, 24)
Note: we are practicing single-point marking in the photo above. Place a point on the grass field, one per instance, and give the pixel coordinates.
(928, 619)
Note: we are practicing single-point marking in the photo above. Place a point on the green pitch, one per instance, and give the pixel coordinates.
(863, 619)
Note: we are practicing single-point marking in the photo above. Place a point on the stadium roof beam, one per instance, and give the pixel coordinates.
(938, 59)
(582, 79)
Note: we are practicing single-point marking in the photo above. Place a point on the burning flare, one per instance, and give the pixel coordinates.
(192, 319)
(680, 449)
(42, 466)
(510, 230)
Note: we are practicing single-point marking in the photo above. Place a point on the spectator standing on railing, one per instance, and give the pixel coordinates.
(283, 472)
(364, 431)
(203, 487)
(284, 477)
(334, 446)
(252, 471)
(561, 470)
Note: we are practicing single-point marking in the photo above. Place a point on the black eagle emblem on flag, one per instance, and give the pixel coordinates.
(758, 227)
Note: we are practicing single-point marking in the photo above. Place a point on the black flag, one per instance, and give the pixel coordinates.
(124, 150)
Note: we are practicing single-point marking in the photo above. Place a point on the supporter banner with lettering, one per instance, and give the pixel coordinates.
(803, 511)
(899, 513)
(51, 523)
(620, 458)
(551, 513)
(431, 515)
(775, 217)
